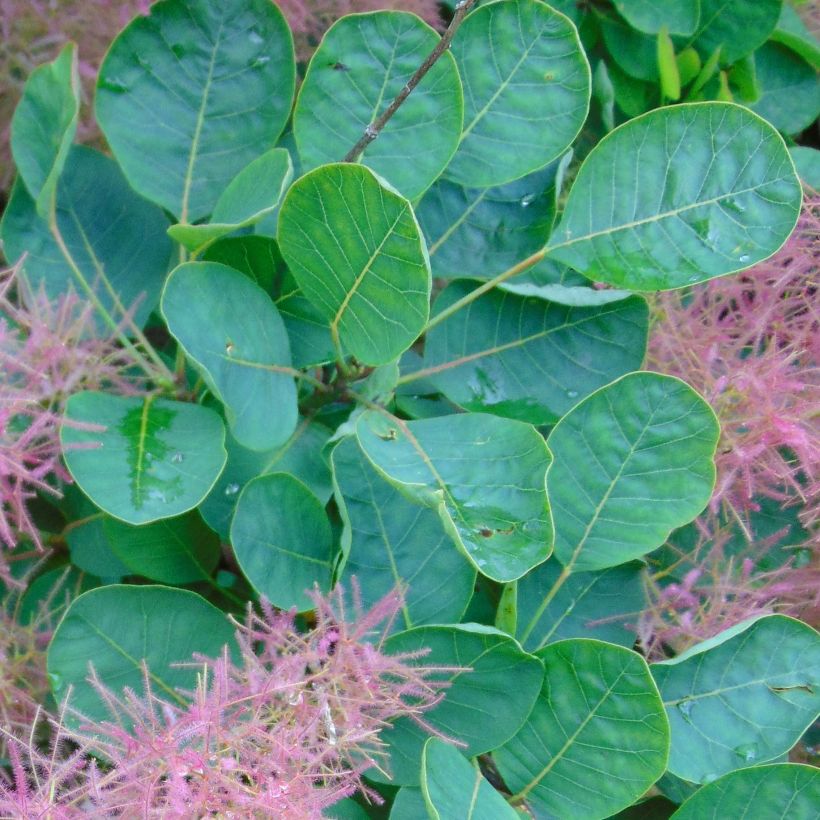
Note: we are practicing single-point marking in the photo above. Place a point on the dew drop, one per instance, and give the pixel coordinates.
(743, 257)
(480, 562)
(572, 394)
(231, 489)
(177, 458)
(685, 707)
(527, 200)
(747, 751)
(256, 38)
(260, 61)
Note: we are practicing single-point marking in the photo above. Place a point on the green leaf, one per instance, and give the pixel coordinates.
(356, 252)
(392, 542)
(116, 628)
(257, 257)
(649, 16)
(737, 27)
(741, 698)
(282, 540)
(633, 52)
(153, 458)
(644, 442)
(787, 791)
(455, 789)
(231, 329)
(469, 711)
(791, 31)
(526, 91)
(44, 124)
(300, 455)
(586, 605)
(597, 738)
(190, 94)
(790, 89)
(807, 162)
(251, 195)
(478, 355)
(362, 63)
(409, 804)
(124, 239)
(484, 476)
(178, 550)
(711, 191)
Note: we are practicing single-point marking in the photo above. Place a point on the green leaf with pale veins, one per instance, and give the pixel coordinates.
(251, 195)
(783, 791)
(678, 196)
(116, 628)
(390, 542)
(484, 475)
(281, 536)
(362, 63)
(527, 358)
(597, 738)
(737, 27)
(356, 252)
(44, 124)
(455, 789)
(231, 329)
(741, 698)
(648, 16)
(526, 91)
(646, 441)
(188, 95)
(142, 459)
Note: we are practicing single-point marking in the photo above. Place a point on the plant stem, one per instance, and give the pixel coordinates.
(374, 129)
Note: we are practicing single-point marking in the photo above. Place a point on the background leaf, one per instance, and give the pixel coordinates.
(680, 17)
(736, 26)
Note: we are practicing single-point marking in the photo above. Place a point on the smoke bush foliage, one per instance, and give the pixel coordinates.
(351, 320)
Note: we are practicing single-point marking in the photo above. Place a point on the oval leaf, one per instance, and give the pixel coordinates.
(597, 738)
(362, 63)
(711, 190)
(736, 27)
(282, 540)
(743, 697)
(644, 440)
(483, 475)
(356, 252)
(526, 91)
(188, 95)
(152, 458)
(116, 629)
(648, 16)
(230, 328)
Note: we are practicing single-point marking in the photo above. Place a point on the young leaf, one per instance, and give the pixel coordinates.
(784, 791)
(188, 95)
(282, 540)
(644, 441)
(125, 239)
(44, 124)
(597, 738)
(524, 104)
(454, 788)
(668, 66)
(389, 542)
(740, 698)
(738, 27)
(115, 628)
(153, 458)
(649, 16)
(484, 476)
(362, 63)
(477, 356)
(687, 214)
(231, 329)
(356, 252)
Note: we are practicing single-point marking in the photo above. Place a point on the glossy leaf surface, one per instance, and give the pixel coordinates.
(736, 26)
(680, 17)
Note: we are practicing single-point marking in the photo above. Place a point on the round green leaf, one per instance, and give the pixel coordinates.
(152, 458)
(526, 91)
(807, 162)
(597, 738)
(392, 542)
(648, 16)
(470, 710)
(632, 51)
(793, 33)
(362, 63)
(117, 628)
(678, 196)
(356, 252)
(741, 698)
(478, 357)
(482, 474)
(177, 550)
(454, 789)
(786, 791)
(231, 329)
(124, 238)
(737, 27)
(282, 540)
(188, 95)
(632, 462)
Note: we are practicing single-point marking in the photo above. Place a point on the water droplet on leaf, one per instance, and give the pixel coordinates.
(747, 751)
(685, 707)
(527, 200)
(231, 489)
(256, 38)
(177, 458)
